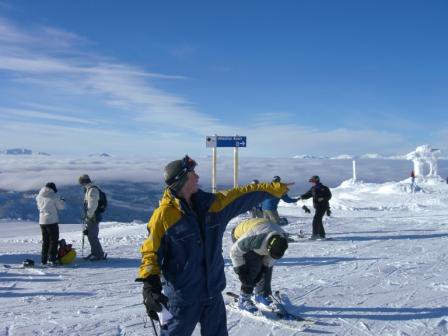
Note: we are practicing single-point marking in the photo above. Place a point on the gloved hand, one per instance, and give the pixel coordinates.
(306, 209)
(153, 297)
(85, 232)
(243, 274)
(328, 212)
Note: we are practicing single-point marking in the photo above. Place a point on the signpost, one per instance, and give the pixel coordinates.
(214, 141)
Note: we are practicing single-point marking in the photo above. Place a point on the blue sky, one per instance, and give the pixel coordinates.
(154, 78)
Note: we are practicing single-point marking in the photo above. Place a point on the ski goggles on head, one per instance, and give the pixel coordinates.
(187, 165)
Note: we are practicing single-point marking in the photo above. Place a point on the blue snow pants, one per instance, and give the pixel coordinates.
(210, 314)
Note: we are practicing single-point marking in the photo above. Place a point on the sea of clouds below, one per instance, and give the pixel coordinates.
(134, 185)
(25, 173)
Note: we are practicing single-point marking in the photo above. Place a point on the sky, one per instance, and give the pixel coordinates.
(155, 78)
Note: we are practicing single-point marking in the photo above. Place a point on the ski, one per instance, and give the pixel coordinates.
(8, 266)
(281, 307)
(269, 316)
(38, 267)
(90, 258)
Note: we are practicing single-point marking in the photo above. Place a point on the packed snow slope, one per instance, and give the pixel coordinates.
(384, 272)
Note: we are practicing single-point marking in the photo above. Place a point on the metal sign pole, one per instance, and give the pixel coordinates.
(214, 170)
(235, 167)
(214, 141)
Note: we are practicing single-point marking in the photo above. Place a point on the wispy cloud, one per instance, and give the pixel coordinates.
(42, 115)
(135, 113)
(113, 83)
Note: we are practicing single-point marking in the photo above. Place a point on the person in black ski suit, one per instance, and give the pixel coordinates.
(321, 196)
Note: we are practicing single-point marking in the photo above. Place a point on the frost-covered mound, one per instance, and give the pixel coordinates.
(427, 194)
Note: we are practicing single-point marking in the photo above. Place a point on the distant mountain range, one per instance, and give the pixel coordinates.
(100, 155)
(26, 151)
(21, 151)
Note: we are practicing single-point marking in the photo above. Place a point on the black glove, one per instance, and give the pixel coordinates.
(243, 274)
(153, 297)
(306, 209)
(85, 232)
(328, 212)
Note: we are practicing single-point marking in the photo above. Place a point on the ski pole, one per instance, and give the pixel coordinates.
(154, 327)
(82, 246)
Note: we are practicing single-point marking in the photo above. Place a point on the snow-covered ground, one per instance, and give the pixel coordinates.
(383, 273)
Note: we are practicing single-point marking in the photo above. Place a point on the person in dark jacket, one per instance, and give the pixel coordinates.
(184, 246)
(321, 196)
(270, 206)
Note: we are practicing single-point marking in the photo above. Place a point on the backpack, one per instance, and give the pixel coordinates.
(102, 202)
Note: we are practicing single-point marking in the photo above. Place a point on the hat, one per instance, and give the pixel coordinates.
(84, 179)
(255, 181)
(175, 172)
(314, 178)
(276, 179)
(277, 245)
(52, 186)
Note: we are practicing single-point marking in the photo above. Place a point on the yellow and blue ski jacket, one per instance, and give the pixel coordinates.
(184, 245)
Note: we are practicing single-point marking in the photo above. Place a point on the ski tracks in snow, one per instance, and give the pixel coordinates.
(381, 274)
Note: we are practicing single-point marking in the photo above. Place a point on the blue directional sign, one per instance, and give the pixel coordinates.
(226, 141)
(231, 141)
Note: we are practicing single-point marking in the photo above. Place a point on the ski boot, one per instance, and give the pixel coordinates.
(264, 300)
(245, 303)
(95, 258)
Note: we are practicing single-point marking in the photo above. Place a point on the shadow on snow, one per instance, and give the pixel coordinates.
(370, 313)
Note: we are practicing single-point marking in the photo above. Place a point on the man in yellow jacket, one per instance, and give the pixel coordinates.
(184, 246)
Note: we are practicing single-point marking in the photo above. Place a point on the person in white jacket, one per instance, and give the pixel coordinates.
(49, 205)
(258, 244)
(92, 218)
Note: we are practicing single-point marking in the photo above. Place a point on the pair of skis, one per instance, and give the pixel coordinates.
(276, 314)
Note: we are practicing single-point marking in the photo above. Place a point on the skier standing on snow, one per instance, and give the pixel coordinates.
(321, 196)
(49, 205)
(92, 218)
(256, 211)
(258, 243)
(184, 246)
(270, 206)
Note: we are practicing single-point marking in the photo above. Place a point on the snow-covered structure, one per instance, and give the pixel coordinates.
(424, 156)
